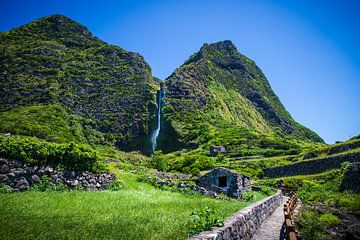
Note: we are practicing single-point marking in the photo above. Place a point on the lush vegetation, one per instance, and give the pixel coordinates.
(55, 60)
(72, 100)
(66, 156)
(137, 211)
(220, 94)
(50, 122)
(313, 224)
(321, 189)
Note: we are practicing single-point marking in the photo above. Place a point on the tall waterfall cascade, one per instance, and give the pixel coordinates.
(156, 132)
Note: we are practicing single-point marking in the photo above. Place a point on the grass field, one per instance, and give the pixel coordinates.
(137, 212)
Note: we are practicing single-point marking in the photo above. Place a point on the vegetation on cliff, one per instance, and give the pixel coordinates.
(220, 94)
(55, 60)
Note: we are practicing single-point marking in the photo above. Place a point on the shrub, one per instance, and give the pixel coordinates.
(203, 219)
(267, 190)
(313, 225)
(68, 156)
(45, 184)
(329, 220)
(195, 171)
(158, 161)
(116, 185)
(310, 228)
(4, 188)
(248, 196)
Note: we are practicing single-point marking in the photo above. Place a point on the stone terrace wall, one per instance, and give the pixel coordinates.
(351, 180)
(344, 147)
(312, 166)
(244, 223)
(20, 177)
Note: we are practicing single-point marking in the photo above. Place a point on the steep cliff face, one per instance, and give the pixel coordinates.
(55, 60)
(218, 88)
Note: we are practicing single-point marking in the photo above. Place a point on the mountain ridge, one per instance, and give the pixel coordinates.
(57, 61)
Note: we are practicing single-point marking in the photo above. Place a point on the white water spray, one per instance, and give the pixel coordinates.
(155, 134)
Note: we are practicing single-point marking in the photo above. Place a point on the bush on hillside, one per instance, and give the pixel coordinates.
(158, 161)
(67, 156)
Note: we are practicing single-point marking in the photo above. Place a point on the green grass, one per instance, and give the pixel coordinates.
(138, 212)
(49, 122)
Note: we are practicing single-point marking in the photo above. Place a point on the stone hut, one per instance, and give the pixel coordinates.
(222, 180)
(215, 150)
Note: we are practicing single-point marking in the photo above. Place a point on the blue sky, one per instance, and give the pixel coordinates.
(309, 50)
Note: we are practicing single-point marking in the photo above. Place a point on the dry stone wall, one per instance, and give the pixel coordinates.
(351, 180)
(312, 166)
(20, 177)
(244, 223)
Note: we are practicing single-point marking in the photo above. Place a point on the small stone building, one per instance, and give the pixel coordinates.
(222, 180)
(215, 150)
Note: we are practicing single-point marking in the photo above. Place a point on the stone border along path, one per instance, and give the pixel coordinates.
(271, 228)
(244, 223)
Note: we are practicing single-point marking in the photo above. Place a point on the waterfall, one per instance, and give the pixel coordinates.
(156, 132)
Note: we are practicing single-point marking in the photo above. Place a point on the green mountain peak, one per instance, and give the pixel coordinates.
(55, 60)
(217, 88)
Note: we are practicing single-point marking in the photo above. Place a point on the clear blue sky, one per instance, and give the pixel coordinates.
(309, 50)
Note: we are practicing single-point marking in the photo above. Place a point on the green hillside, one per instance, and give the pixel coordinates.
(55, 60)
(216, 89)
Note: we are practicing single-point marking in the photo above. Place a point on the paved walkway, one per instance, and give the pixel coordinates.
(272, 227)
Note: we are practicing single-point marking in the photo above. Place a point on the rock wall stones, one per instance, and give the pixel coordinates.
(312, 166)
(351, 180)
(244, 223)
(20, 177)
(344, 147)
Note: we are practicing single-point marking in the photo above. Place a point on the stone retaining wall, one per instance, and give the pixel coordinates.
(312, 166)
(344, 147)
(244, 223)
(351, 180)
(20, 177)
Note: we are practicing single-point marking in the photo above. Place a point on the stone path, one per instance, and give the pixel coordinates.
(272, 227)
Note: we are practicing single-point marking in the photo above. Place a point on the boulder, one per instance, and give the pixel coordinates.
(35, 178)
(3, 177)
(22, 184)
(4, 168)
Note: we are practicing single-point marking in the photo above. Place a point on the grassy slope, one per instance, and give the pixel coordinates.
(49, 122)
(139, 212)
